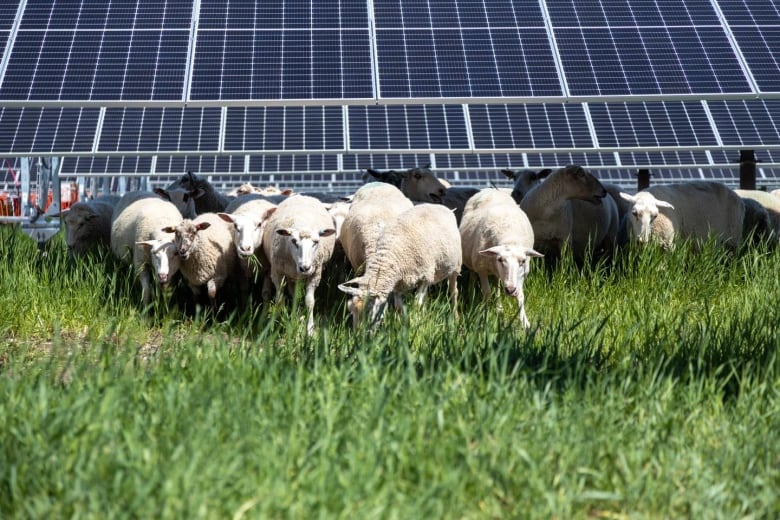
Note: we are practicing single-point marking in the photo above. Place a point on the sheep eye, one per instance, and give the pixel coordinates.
(294, 242)
(418, 176)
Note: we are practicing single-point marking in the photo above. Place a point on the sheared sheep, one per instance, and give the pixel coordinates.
(372, 205)
(298, 240)
(771, 204)
(207, 198)
(88, 225)
(208, 256)
(417, 249)
(497, 240)
(136, 235)
(689, 210)
(572, 206)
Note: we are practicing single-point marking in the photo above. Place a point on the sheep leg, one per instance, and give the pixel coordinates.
(311, 286)
(421, 292)
(268, 289)
(484, 284)
(146, 285)
(278, 280)
(453, 287)
(211, 287)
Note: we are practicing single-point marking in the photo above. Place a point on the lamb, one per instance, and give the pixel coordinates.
(572, 206)
(298, 240)
(137, 238)
(88, 225)
(688, 210)
(497, 240)
(417, 249)
(207, 199)
(372, 205)
(770, 203)
(208, 256)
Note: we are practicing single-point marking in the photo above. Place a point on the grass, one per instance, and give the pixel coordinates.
(645, 389)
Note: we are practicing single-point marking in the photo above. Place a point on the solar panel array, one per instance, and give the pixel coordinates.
(333, 86)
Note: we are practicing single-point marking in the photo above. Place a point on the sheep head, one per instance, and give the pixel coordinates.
(643, 212)
(511, 264)
(363, 301)
(247, 231)
(302, 246)
(421, 185)
(525, 181)
(581, 184)
(186, 236)
(165, 258)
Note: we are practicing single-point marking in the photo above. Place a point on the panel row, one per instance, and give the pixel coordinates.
(241, 50)
(646, 126)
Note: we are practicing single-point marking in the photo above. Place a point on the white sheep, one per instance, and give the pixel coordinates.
(88, 225)
(298, 240)
(689, 210)
(497, 240)
(771, 204)
(137, 237)
(417, 249)
(572, 206)
(373, 205)
(207, 254)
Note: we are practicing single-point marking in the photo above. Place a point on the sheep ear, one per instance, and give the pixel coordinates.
(492, 251)
(544, 173)
(663, 204)
(352, 287)
(627, 196)
(198, 193)
(269, 212)
(283, 232)
(327, 232)
(533, 252)
(163, 193)
(347, 199)
(287, 192)
(169, 229)
(203, 225)
(509, 173)
(227, 217)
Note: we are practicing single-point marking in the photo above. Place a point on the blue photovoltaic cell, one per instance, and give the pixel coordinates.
(646, 61)
(105, 165)
(761, 48)
(439, 14)
(616, 13)
(287, 14)
(101, 15)
(200, 164)
(160, 129)
(292, 163)
(480, 160)
(385, 161)
(31, 129)
(407, 127)
(680, 157)
(529, 126)
(8, 14)
(94, 65)
(272, 64)
(284, 128)
(750, 12)
(752, 122)
(486, 62)
(672, 123)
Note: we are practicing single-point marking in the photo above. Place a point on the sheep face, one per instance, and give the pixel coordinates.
(247, 231)
(186, 236)
(511, 265)
(165, 259)
(302, 246)
(77, 226)
(525, 181)
(585, 186)
(180, 198)
(363, 301)
(643, 212)
(418, 184)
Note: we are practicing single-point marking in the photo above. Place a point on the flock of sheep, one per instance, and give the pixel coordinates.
(402, 231)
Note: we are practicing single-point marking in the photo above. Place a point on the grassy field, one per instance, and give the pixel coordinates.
(646, 389)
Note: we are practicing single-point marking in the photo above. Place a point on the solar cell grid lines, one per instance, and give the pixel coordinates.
(37, 130)
(284, 128)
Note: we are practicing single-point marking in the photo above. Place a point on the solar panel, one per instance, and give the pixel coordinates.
(761, 48)
(160, 129)
(101, 165)
(667, 124)
(284, 128)
(53, 15)
(407, 127)
(529, 126)
(751, 123)
(43, 130)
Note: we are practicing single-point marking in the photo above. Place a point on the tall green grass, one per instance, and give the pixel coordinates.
(647, 388)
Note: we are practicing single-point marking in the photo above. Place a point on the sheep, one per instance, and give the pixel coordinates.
(497, 239)
(88, 225)
(137, 237)
(372, 205)
(419, 184)
(207, 198)
(417, 249)
(688, 210)
(180, 198)
(524, 181)
(770, 203)
(757, 225)
(208, 256)
(298, 240)
(572, 206)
